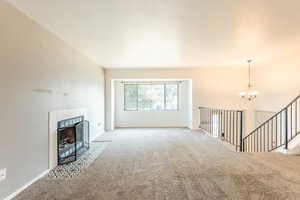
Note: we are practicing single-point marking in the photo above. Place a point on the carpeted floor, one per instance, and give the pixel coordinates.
(174, 164)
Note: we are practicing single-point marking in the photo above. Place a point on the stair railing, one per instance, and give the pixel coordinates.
(227, 125)
(276, 132)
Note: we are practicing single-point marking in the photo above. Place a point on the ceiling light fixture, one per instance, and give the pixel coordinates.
(250, 94)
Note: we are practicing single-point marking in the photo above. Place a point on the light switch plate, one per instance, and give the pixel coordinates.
(2, 174)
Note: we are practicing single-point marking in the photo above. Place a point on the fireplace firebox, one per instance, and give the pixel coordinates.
(72, 139)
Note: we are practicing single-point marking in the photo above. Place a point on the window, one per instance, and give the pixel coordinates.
(150, 97)
(171, 97)
(131, 97)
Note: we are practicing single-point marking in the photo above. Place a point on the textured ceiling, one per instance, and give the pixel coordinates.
(171, 33)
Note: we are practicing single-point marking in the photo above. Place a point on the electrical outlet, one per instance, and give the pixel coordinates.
(2, 174)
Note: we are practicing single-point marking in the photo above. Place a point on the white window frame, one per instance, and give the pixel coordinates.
(137, 103)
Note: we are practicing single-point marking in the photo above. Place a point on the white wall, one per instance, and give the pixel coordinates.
(216, 87)
(278, 81)
(178, 118)
(262, 116)
(39, 73)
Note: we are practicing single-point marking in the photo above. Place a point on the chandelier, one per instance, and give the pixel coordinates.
(249, 94)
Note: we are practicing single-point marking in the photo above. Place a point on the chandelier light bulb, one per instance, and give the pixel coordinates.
(249, 95)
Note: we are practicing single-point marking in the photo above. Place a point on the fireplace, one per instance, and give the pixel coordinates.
(72, 139)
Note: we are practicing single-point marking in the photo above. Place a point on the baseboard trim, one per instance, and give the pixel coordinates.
(14, 194)
(96, 136)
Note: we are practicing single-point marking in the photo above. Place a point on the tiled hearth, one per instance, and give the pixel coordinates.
(75, 169)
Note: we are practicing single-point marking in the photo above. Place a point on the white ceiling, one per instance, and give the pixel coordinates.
(171, 33)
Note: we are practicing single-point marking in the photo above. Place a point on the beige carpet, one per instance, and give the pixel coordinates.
(175, 164)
